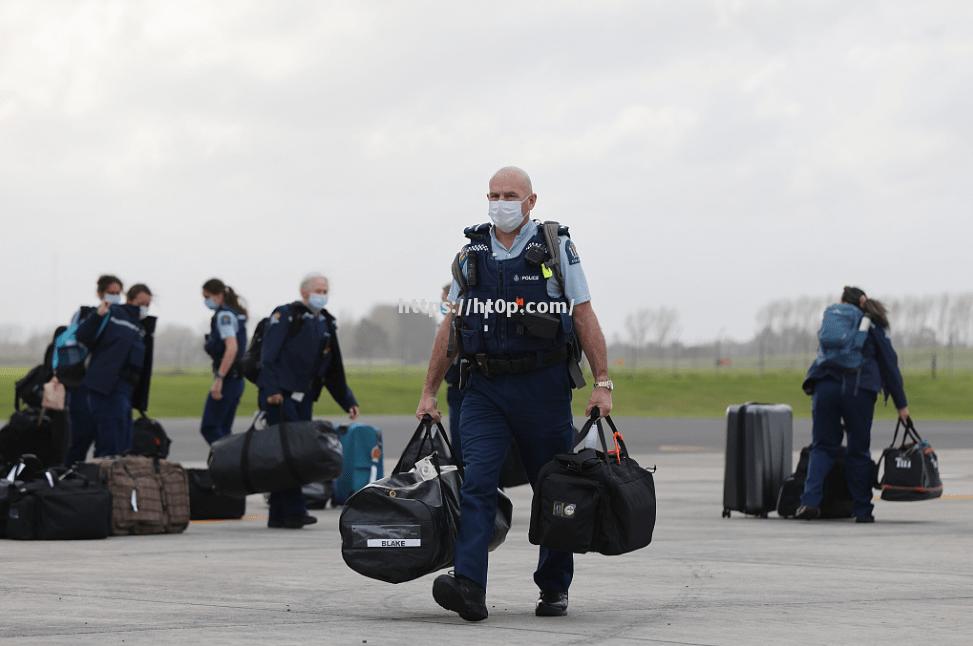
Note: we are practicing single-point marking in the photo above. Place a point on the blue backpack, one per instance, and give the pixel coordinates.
(842, 336)
(68, 358)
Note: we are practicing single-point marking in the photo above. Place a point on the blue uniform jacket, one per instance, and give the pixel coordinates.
(117, 350)
(304, 357)
(879, 372)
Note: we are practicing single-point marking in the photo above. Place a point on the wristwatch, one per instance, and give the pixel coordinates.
(607, 384)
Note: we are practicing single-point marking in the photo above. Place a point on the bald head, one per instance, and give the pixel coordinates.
(511, 176)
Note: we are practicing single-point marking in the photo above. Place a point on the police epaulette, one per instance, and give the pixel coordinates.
(478, 231)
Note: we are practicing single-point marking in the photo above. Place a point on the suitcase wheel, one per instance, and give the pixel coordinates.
(726, 513)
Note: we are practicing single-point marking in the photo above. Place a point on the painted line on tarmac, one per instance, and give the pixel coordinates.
(957, 496)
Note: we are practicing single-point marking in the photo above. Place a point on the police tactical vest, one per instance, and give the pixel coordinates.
(215, 346)
(522, 281)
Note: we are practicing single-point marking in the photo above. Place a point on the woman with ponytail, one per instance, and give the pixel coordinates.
(855, 362)
(225, 344)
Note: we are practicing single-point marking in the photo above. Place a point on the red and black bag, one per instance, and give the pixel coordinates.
(910, 471)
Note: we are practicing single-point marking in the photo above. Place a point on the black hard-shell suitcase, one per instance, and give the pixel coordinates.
(759, 438)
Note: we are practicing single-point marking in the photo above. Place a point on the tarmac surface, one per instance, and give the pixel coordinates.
(704, 580)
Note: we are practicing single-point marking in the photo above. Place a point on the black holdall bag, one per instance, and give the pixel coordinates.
(594, 501)
(60, 505)
(910, 470)
(206, 503)
(284, 456)
(404, 526)
(38, 432)
(836, 501)
(149, 439)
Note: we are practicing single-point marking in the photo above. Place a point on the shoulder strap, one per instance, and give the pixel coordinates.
(551, 231)
(477, 232)
(458, 274)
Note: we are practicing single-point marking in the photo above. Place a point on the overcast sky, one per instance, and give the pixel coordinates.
(708, 156)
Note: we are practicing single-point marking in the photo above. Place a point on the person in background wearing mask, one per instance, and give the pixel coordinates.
(523, 370)
(299, 357)
(225, 344)
(116, 339)
(840, 395)
(81, 424)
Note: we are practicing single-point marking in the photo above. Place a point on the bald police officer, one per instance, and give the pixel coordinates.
(522, 369)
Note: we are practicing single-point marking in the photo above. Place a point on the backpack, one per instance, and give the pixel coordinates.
(842, 336)
(68, 357)
(149, 439)
(250, 362)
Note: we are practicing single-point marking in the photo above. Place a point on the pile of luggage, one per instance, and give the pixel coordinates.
(758, 479)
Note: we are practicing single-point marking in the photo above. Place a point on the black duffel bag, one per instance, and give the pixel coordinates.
(836, 500)
(283, 456)
(60, 505)
(594, 501)
(35, 431)
(910, 470)
(404, 526)
(206, 503)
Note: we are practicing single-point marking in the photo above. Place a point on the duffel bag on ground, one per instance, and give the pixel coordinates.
(207, 503)
(38, 432)
(910, 470)
(836, 501)
(403, 527)
(149, 496)
(284, 456)
(149, 438)
(594, 501)
(60, 505)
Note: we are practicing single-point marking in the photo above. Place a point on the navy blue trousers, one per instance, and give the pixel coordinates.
(105, 420)
(290, 502)
(535, 409)
(454, 397)
(834, 402)
(218, 414)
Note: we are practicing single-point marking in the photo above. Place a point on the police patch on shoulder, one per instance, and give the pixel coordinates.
(225, 318)
(572, 253)
(275, 318)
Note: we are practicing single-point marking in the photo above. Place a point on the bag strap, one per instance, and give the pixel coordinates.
(285, 447)
(595, 420)
(245, 458)
(553, 241)
(422, 434)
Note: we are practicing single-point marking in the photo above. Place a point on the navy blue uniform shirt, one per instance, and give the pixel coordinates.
(879, 372)
(304, 356)
(117, 349)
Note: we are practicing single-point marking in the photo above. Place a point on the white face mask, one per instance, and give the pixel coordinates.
(317, 301)
(507, 214)
(113, 299)
(143, 311)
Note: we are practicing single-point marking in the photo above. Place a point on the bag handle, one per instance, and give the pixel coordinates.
(422, 434)
(908, 431)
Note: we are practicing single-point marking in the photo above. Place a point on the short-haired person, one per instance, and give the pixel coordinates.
(225, 344)
(521, 378)
(115, 338)
(82, 428)
(842, 395)
(299, 357)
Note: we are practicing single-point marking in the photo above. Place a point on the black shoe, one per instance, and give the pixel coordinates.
(309, 519)
(865, 519)
(460, 595)
(552, 604)
(287, 523)
(807, 513)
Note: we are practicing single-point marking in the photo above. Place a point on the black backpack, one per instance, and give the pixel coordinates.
(250, 362)
(149, 439)
(36, 432)
(836, 501)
